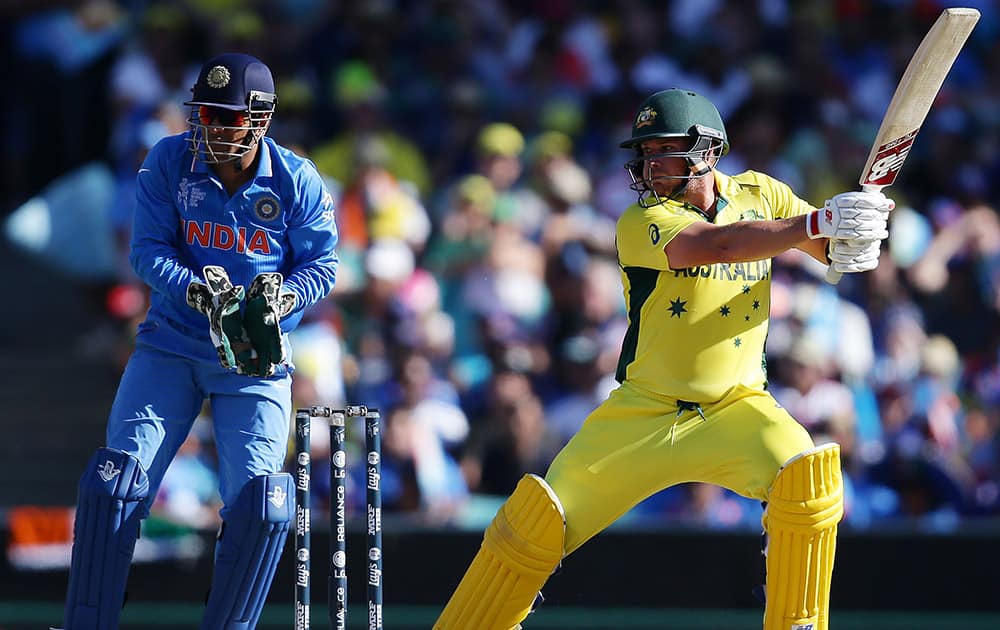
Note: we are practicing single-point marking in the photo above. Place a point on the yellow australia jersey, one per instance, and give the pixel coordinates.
(695, 333)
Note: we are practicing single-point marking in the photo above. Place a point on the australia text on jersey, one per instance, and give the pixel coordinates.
(755, 270)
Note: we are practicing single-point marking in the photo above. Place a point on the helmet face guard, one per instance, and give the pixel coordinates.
(213, 125)
(674, 113)
(707, 147)
(234, 93)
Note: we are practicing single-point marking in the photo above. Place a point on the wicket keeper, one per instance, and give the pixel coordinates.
(218, 208)
(692, 405)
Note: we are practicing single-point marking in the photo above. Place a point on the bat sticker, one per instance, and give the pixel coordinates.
(889, 160)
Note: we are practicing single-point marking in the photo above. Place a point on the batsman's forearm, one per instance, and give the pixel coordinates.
(746, 241)
(816, 247)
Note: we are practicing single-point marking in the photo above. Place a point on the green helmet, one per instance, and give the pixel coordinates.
(677, 113)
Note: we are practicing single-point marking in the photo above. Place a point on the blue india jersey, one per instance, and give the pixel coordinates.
(281, 220)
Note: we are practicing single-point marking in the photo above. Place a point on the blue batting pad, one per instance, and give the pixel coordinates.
(108, 512)
(248, 550)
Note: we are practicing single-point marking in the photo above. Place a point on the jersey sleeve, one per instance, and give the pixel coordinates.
(154, 253)
(642, 233)
(312, 238)
(784, 203)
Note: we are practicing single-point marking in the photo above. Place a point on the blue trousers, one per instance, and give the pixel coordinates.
(161, 394)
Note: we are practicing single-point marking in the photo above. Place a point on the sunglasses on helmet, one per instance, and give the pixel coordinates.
(225, 117)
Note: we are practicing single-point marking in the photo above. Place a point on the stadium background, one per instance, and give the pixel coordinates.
(472, 148)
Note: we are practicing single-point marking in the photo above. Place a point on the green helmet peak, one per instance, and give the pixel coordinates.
(677, 113)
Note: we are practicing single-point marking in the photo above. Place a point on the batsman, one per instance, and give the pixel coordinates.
(692, 405)
(218, 208)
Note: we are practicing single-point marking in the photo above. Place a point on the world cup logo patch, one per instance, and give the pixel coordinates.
(266, 208)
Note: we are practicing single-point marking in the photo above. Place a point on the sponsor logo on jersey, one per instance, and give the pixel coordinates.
(654, 233)
(327, 204)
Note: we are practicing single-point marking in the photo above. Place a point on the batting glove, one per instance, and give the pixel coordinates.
(219, 301)
(266, 306)
(854, 256)
(858, 216)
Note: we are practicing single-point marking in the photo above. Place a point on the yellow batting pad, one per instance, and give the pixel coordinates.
(521, 548)
(803, 508)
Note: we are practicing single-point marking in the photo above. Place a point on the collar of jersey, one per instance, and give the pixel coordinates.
(263, 165)
(724, 185)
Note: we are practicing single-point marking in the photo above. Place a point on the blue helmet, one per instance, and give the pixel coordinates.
(234, 91)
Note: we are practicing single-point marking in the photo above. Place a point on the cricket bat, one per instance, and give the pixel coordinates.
(912, 100)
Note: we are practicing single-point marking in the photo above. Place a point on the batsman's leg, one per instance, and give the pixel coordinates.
(109, 509)
(805, 504)
(521, 548)
(247, 553)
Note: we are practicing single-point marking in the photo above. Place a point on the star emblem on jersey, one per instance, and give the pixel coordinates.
(677, 307)
(746, 289)
(724, 311)
(107, 471)
(217, 77)
(276, 497)
(756, 305)
(737, 342)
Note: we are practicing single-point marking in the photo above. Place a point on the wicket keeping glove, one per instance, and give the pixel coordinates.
(859, 216)
(219, 301)
(854, 256)
(266, 306)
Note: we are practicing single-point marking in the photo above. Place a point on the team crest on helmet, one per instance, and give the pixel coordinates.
(217, 77)
(646, 117)
(266, 208)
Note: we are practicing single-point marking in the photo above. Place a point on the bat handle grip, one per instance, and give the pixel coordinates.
(833, 277)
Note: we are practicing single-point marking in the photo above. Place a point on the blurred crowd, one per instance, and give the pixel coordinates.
(472, 148)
